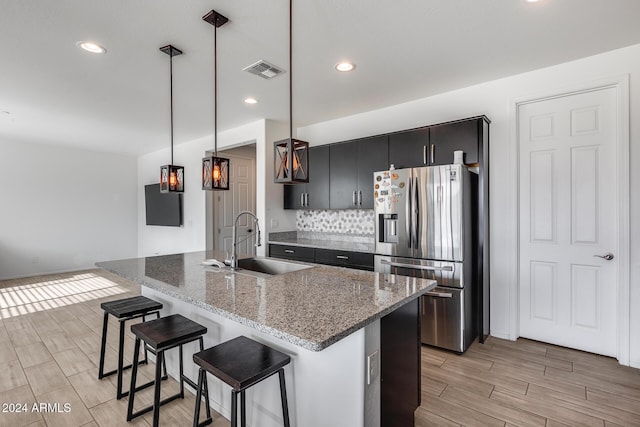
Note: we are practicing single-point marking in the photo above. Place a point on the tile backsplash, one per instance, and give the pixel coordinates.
(350, 221)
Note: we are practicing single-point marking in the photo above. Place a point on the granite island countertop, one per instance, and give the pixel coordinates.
(311, 308)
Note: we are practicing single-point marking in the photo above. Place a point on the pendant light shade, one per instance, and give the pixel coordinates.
(215, 170)
(171, 179)
(291, 155)
(291, 161)
(171, 176)
(215, 173)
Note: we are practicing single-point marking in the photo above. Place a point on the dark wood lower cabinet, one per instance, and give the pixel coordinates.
(357, 260)
(400, 367)
(296, 253)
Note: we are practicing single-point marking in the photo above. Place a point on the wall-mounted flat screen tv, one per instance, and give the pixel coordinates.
(162, 208)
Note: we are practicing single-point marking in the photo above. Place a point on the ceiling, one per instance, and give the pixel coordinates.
(53, 92)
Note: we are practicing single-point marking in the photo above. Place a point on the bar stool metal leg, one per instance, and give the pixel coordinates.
(204, 384)
(196, 412)
(103, 345)
(234, 408)
(202, 388)
(209, 420)
(283, 397)
(134, 372)
(243, 410)
(119, 393)
(156, 394)
(181, 374)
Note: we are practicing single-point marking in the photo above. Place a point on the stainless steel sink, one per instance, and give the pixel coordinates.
(269, 266)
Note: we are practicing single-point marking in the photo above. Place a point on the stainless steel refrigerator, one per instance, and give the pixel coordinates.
(426, 227)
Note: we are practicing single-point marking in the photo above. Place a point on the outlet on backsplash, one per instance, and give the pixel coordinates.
(349, 221)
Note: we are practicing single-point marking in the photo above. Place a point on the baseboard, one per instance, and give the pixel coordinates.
(635, 364)
(502, 336)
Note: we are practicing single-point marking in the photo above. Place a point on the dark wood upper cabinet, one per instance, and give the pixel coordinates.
(294, 196)
(352, 166)
(449, 137)
(409, 149)
(341, 174)
(318, 186)
(343, 180)
(315, 193)
(372, 157)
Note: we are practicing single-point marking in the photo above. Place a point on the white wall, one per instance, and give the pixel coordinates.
(64, 209)
(159, 240)
(496, 99)
(154, 240)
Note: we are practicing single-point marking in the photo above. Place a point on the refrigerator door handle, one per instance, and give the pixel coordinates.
(415, 221)
(439, 294)
(416, 266)
(407, 214)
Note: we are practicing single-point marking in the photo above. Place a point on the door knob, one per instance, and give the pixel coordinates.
(608, 256)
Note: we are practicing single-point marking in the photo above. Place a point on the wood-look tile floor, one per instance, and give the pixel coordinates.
(526, 383)
(50, 329)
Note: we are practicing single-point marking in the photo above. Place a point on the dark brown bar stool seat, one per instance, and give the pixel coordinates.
(124, 310)
(241, 363)
(159, 336)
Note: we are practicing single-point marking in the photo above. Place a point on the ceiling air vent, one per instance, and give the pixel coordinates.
(264, 69)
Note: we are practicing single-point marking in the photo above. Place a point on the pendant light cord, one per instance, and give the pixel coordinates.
(291, 70)
(215, 90)
(171, 95)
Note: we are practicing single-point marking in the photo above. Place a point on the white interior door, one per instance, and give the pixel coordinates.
(227, 204)
(568, 217)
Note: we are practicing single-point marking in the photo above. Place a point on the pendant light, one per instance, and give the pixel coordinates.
(171, 176)
(291, 155)
(215, 170)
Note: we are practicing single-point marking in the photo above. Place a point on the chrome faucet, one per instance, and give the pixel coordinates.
(234, 252)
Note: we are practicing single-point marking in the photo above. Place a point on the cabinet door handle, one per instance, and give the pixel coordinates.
(433, 151)
(342, 257)
(289, 251)
(306, 199)
(302, 199)
(360, 198)
(424, 154)
(353, 198)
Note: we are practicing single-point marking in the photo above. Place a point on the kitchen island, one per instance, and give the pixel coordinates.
(330, 320)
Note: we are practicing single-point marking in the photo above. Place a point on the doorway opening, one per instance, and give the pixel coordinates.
(223, 206)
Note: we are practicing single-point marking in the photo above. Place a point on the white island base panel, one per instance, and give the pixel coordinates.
(325, 388)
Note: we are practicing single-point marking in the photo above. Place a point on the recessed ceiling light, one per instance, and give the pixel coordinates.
(250, 101)
(532, 1)
(345, 66)
(91, 47)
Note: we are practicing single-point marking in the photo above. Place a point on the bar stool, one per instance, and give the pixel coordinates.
(159, 336)
(124, 310)
(241, 363)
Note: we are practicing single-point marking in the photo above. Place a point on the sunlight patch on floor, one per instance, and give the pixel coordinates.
(50, 294)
